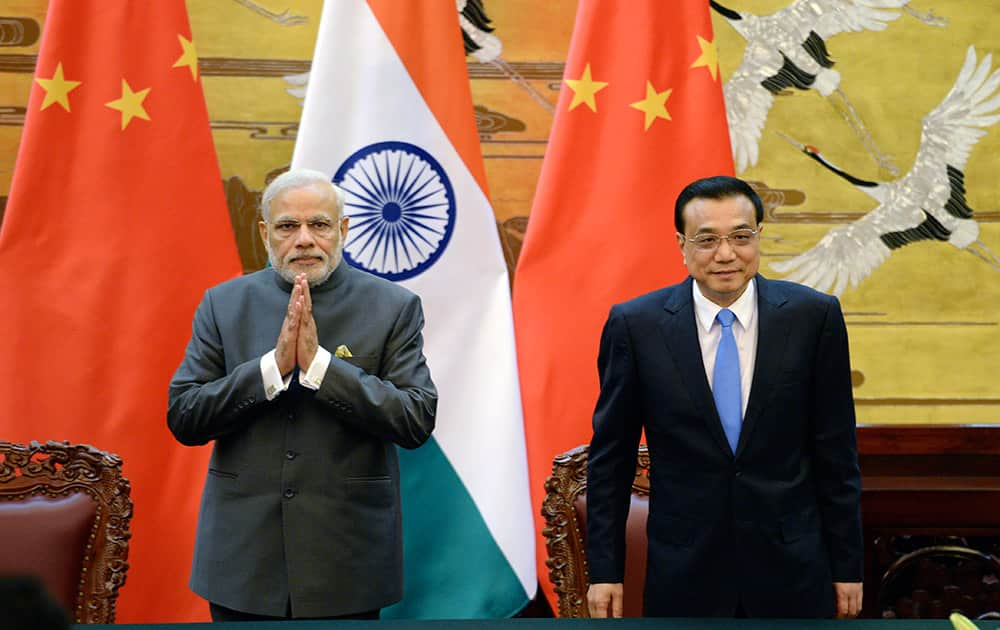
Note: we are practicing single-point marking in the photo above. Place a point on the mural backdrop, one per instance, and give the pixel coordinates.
(880, 177)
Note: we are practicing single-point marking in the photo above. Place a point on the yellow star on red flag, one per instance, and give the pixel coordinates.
(130, 104)
(709, 57)
(189, 56)
(584, 90)
(57, 88)
(654, 105)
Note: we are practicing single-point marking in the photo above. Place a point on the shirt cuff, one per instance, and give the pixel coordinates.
(274, 384)
(313, 377)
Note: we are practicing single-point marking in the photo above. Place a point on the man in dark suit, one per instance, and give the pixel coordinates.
(743, 387)
(305, 375)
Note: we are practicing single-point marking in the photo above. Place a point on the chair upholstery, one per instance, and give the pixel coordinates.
(933, 582)
(565, 512)
(65, 513)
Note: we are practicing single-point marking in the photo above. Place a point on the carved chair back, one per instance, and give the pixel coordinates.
(935, 581)
(565, 512)
(64, 513)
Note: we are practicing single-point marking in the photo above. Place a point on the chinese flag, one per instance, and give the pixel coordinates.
(115, 226)
(640, 116)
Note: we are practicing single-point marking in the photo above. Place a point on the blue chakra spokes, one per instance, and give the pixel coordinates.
(402, 209)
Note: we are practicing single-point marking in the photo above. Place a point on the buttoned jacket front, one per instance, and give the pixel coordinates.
(301, 500)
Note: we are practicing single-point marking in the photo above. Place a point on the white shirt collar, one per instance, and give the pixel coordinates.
(706, 310)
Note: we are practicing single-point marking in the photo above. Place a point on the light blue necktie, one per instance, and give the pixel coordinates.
(726, 380)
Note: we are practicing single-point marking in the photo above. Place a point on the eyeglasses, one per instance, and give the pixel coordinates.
(711, 242)
(320, 228)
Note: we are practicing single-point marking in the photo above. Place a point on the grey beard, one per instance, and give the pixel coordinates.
(289, 276)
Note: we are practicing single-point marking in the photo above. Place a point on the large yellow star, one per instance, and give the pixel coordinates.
(709, 57)
(189, 56)
(584, 90)
(654, 105)
(130, 104)
(57, 88)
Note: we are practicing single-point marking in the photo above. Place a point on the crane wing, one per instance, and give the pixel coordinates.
(830, 17)
(848, 254)
(928, 203)
(786, 49)
(747, 106)
(936, 182)
(952, 128)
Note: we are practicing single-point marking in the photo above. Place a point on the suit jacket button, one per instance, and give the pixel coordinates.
(290, 454)
(289, 493)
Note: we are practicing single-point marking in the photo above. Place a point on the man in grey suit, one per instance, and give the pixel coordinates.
(306, 375)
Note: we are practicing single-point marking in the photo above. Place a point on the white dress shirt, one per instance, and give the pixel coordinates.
(744, 330)
(312, 378)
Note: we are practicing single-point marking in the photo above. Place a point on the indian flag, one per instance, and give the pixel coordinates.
(388, 114)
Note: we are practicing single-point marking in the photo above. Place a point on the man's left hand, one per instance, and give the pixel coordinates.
(848, 596)
(308, 340)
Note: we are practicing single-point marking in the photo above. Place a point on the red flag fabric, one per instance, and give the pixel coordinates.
(640, 116)
(115, 225)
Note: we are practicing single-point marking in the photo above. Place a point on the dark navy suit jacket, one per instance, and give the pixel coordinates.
(771, 527)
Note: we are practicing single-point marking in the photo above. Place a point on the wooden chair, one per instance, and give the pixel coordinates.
(65, 513)
(565, 512)
(933, 582)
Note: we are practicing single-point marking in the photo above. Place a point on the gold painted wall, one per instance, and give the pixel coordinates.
(924, 329)
(924, 326)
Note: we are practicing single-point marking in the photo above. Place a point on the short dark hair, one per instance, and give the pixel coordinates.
(716, 187)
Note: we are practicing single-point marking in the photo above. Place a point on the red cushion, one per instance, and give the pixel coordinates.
(46, 537)
(635, 548)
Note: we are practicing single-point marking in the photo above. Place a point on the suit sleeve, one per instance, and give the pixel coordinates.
(835, 449)
(612, 457)
(400, 404)
(204, 402)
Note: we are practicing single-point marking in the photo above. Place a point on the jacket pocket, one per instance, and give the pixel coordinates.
(795, 526)
(368, 363)
(372, 495)
(675, 530)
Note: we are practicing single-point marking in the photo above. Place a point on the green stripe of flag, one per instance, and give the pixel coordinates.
(452, 566)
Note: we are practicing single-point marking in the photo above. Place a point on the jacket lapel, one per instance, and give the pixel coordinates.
(772, 336)
(680, 333)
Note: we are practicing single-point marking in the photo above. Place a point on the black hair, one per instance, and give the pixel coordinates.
(716, 187)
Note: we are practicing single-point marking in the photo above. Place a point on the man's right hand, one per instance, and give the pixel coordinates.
(286, 348)
(308, 340)
(605, 600)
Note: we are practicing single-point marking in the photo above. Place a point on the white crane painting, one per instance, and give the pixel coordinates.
(787, 49)
(928, 203)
